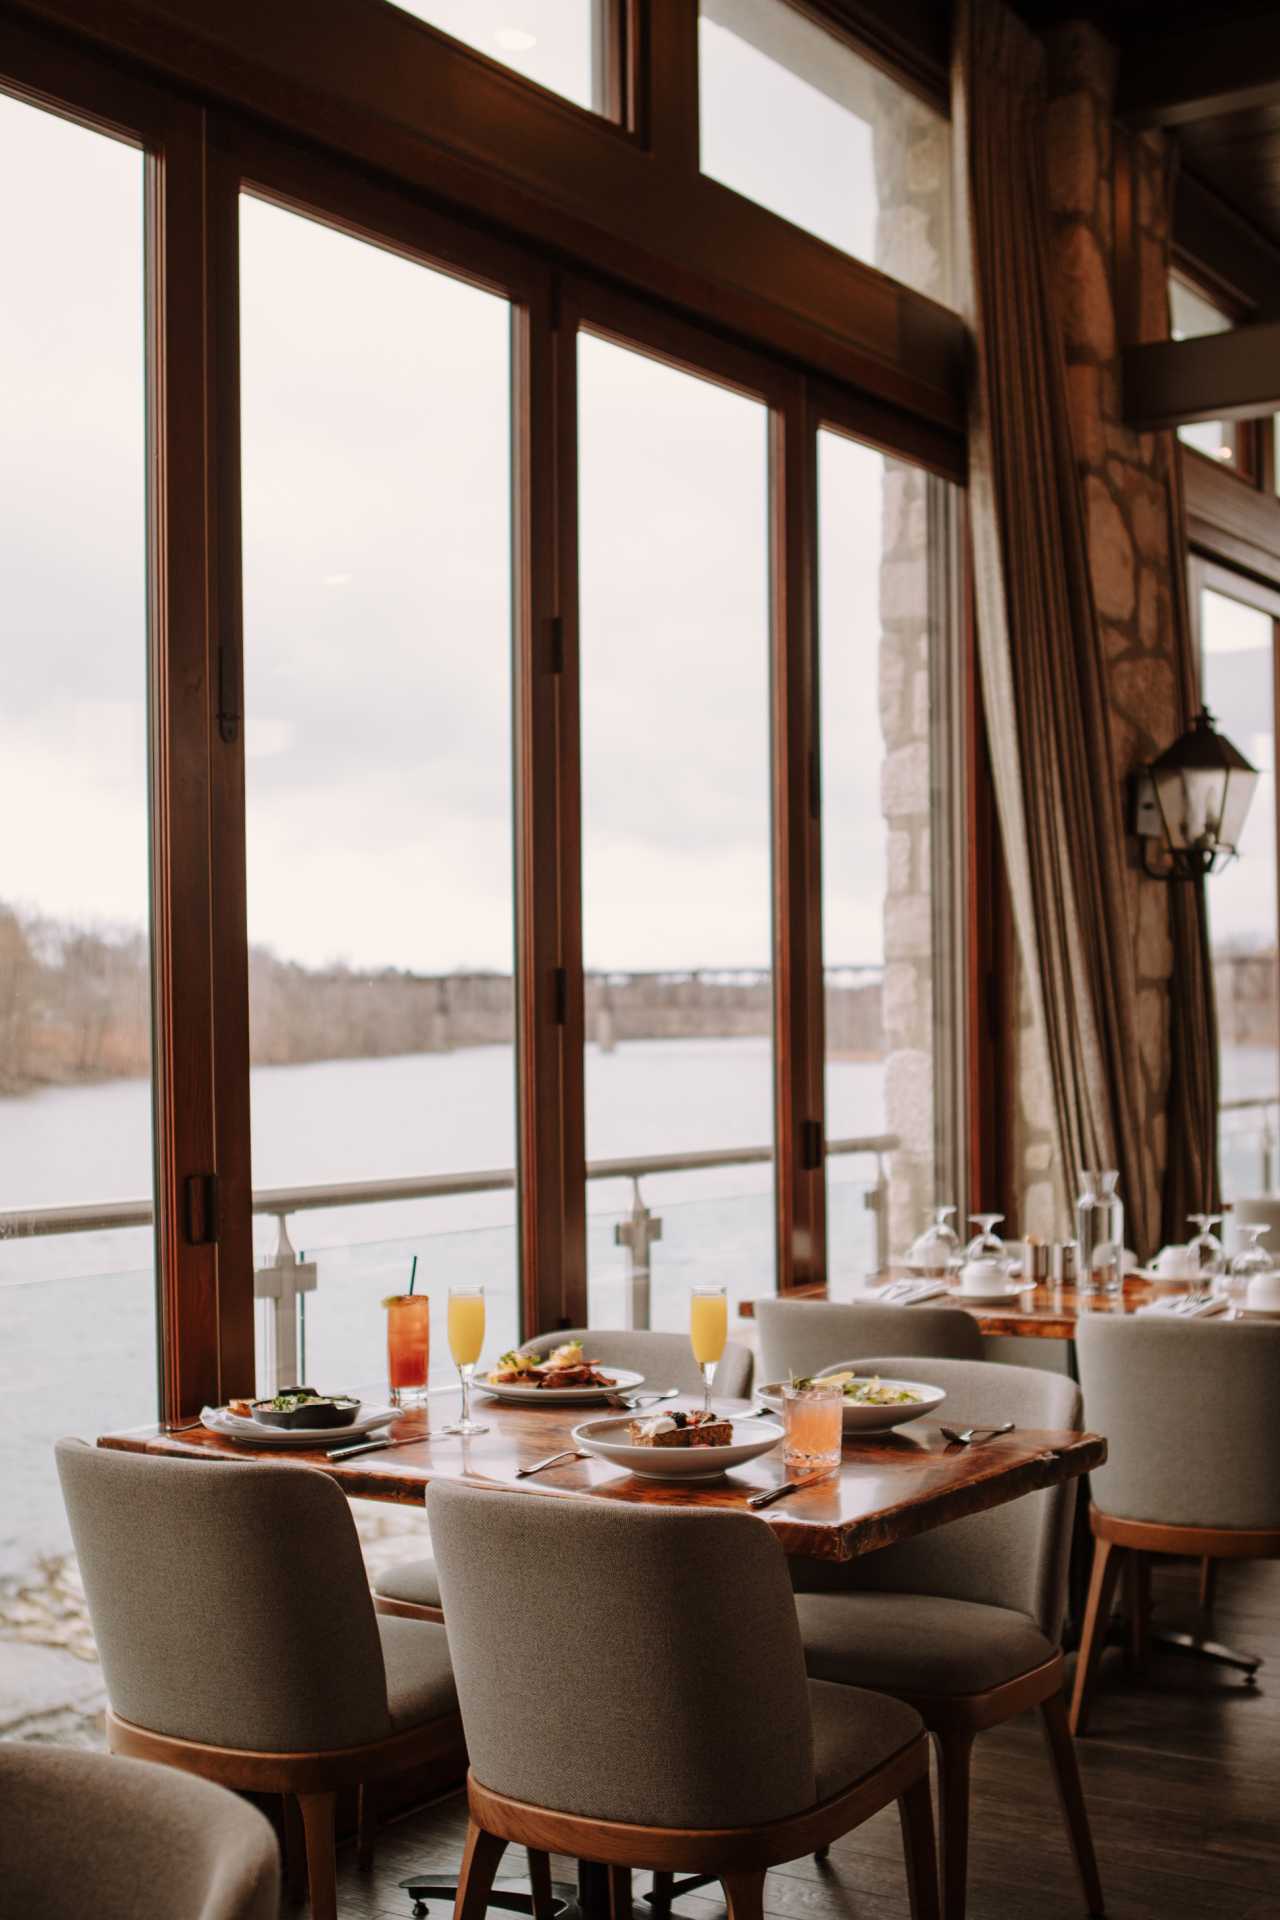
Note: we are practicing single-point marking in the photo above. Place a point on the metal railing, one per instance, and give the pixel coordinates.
(285, 1280)
(1266, 1105)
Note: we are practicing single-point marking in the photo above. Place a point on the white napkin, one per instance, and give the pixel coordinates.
(907, 1293)
(1174, 1307)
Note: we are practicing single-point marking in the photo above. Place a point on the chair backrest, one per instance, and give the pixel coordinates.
(82, 1833)
(665, 1359)
(803, 1336)
(1013, 1556)
(639, 1664)
(1191, 1414)
(229, 1602)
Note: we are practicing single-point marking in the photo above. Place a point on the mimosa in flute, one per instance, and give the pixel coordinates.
(466, 1338)
(708, 1331)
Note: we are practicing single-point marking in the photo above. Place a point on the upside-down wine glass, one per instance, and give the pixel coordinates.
(986, 1243)
(1205, 1251)
(937, 1246)
(1248, 1263)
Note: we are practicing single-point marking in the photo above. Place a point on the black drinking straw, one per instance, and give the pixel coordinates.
(413, 1272)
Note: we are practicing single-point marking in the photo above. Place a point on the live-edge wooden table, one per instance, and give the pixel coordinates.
(889, 1487)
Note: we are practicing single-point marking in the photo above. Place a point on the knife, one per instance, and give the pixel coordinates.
(789, 1486)
(373, 1446)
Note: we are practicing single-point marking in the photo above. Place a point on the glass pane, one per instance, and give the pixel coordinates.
(887, 935)
(674, 482)
(794, 119)
(558, 43)
(1238, 683)
(75, 1034)
(1193, 315)
(377, 537)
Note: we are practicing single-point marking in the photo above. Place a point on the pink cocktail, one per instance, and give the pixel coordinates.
(814, 1421)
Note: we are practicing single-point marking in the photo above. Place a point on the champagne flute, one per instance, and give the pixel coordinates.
(708, 1332)
(466, 1337)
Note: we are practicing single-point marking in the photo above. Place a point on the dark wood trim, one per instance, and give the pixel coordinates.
(939, 450)
(407, 1609)
(1214, 246)
(671, 35)
(1171, 78)
(547, 171)
(1230, 521)
(1217, 376)
(799, 1022)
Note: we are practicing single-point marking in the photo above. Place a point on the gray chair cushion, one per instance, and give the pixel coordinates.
(415, 1581)
(665, 1359)
(916, 1642)
(854, 1733)
(419, 1677)
(81, 1833)
(803, 1336)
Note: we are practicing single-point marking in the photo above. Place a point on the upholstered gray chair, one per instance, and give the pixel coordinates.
(661, 1714)
(238, 1638)
(1191, 1411)
(412, 1589)
(81, 1833)
(964, 1622)
(803, 1336)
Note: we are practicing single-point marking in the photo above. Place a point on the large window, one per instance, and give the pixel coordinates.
(562, 44)
(892, 789)
(796, 120)
(1238, 684)
(377, 542)
(77, 1314)
(677, 927)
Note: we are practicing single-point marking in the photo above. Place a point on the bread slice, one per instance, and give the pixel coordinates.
(681, 1430)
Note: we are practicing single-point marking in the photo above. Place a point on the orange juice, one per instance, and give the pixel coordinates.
(408, 1340)
(708, 1325)
(466, 1327)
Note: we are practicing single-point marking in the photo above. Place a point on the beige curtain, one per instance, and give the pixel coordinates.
(1060, 801)
(1192, 1181)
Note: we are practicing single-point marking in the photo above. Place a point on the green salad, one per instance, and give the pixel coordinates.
(862, 1393)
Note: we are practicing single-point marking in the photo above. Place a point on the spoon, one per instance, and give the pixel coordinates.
(966, 1434)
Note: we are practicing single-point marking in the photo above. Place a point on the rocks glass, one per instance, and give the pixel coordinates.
(814, 1417)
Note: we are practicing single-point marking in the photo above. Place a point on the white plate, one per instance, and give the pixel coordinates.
(1159, 1279)
(751, 1439)
(231, 1426)
(994, 1296)
(868, 1419)
(623, 1382)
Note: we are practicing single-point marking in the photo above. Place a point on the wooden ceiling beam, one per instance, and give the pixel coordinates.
(1220, 248)
(1171, 79)
(1221, 376)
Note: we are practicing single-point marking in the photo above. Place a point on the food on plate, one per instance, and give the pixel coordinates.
(862, 1392)
(564, 1366)
(698, 1429)
(303, 1407)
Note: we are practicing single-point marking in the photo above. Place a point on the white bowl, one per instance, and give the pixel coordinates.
(868, 1419)
(607, 1438)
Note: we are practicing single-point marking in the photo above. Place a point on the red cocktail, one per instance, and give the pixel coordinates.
(408, 1341)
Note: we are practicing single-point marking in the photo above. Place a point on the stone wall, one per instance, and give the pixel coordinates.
(1126, 505)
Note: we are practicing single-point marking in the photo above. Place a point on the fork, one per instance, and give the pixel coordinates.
(552, 1459)
(630, 1402)
(966, 1434)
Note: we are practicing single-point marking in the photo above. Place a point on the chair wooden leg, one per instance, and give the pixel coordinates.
(1066, 1773)
(1208, 1584)
(915, 1811)
(480, 1859)
(660, 1894)
(821, 1854)
(955, 1751)
(1102, 1587)
(1138, 1599)
(744, 1895)
(619, 1893)
(367, 1825)
(295, 1848)
(540, 1884)
(322, 1866)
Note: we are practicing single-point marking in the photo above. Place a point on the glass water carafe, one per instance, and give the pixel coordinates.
(1100, 1234)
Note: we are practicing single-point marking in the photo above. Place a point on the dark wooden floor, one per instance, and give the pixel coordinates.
(1181, 1771)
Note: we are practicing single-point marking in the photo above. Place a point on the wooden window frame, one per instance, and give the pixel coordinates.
(202, 156)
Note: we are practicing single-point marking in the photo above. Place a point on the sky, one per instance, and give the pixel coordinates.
(377, 584)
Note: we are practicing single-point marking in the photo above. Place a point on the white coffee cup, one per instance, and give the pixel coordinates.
(1173, 1263)
(1264, 1293)
(982, 1276)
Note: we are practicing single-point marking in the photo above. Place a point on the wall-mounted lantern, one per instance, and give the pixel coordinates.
(1193, 802)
